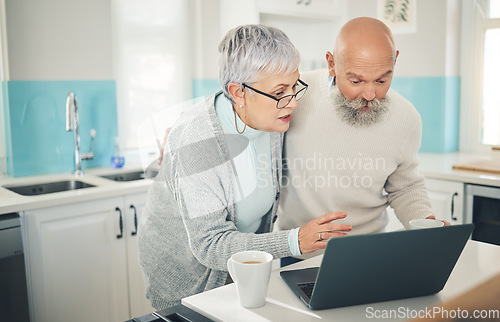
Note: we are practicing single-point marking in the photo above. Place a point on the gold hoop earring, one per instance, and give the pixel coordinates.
(236, 123)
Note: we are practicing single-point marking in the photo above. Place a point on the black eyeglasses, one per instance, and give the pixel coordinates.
(285, 100)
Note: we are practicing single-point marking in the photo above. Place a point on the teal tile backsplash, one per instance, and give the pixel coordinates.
(35, 124)
(437, 99)
(205, 87)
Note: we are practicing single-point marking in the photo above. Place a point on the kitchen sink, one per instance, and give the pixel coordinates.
(125, 176)
(48, 187)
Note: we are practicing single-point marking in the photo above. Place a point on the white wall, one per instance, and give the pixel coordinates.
(433, 49)
(213, 18)
(59, 40)
(206, 24)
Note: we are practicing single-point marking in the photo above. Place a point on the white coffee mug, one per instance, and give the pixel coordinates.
(250, 271)
(425, 223)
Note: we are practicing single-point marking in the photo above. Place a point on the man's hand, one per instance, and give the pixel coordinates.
(444, 221)
(315, 234)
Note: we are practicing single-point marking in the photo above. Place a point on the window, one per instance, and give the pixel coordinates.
(152, 66)
(480, 119)
(3, 76)
(491, 72)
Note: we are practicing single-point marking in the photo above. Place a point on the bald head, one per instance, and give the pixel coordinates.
(362, 63)
(364, 38)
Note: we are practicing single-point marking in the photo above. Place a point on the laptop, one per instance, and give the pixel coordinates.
(380, 267)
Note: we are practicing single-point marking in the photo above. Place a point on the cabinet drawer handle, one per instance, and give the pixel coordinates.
(299, 1)
(120, 235)
(308, 2)
(135, 220)
(453, 206)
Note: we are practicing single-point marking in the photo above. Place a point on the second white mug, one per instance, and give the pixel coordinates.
(425, 223)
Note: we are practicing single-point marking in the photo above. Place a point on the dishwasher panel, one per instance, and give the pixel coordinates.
(14, 293)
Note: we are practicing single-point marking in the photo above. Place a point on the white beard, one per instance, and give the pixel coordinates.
(352, 112)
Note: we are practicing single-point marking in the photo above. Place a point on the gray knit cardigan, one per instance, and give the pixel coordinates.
(187, 231)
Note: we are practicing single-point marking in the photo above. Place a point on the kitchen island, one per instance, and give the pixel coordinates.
(477, 263)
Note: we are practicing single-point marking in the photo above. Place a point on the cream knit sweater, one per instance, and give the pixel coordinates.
(330, 165)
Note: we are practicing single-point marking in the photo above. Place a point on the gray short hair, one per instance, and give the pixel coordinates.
(247, 51)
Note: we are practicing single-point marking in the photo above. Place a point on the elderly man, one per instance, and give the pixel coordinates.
(353, 142)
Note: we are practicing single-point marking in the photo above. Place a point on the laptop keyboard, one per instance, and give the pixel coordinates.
(307, 288)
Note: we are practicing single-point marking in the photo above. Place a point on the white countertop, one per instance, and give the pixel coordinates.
(104, 188)
(439, 166)
(478, 262)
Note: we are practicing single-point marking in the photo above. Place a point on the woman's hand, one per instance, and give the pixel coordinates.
(315, 234)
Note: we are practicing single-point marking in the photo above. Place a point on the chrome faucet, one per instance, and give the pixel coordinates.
(72, 124)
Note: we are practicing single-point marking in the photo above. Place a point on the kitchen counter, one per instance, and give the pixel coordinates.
(433, 166)
(439, 166)
(104, 188)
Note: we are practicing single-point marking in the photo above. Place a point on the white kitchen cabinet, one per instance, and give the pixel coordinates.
(139, 305)
(447, 199)
(82, 261)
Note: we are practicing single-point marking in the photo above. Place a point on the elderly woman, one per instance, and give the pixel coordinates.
(218, 187)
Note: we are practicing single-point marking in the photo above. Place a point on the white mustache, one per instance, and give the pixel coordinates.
(360, 103)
